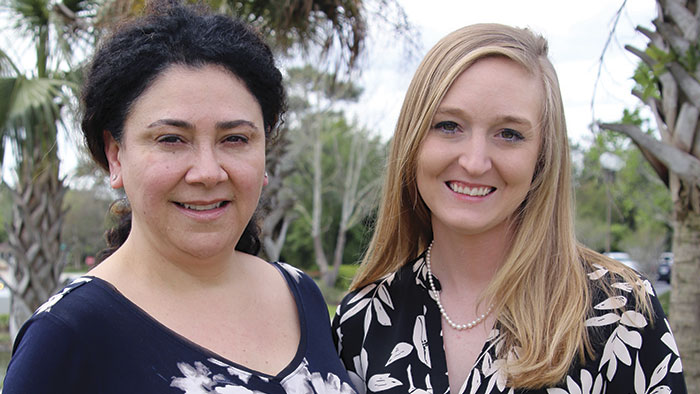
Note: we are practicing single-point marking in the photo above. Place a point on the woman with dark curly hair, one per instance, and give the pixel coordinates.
(178, 107)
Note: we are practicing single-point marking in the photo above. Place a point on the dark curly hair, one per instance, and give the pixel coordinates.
(137, 52)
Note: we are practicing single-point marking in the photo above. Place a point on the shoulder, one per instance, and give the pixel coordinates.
(53, 343)
(296, 276)
(75, 308)
(631, 346)
(302, 286)
(621, 300)
(379, 296)
(74, 299)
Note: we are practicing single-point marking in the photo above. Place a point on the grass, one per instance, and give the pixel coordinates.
(664, 299)
(5, 341)
(335, 294)
(345, 274)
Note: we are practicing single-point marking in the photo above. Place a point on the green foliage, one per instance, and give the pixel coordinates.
(84, 226)
(639, 203)
(336, 136)
(5, 211)
(345, 275)
(331, 309)
(647, 77)
(646, 81)
(314, 118)
(691, 57)
(665, 300)
(332, 295)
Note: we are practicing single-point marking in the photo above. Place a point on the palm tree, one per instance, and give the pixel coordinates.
(30, 118)
(668, 84)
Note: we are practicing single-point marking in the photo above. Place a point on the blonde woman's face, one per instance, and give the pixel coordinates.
(476, 163)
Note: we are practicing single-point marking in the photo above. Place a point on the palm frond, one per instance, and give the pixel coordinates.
(30, 15)
(7, 66)
(31, 114)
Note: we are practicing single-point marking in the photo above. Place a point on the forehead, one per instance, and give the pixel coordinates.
(499, 85)
(187, 92)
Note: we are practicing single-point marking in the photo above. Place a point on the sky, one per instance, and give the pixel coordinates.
(576, 30)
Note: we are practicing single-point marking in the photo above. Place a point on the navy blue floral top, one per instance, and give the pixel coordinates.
(389, 336)
(89, 338)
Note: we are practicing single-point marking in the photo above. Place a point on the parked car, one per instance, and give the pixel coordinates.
(665, 265)
(625, 259)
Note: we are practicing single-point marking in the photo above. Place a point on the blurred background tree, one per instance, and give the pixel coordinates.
(38, 102)
(668, 84)
(338, 165)
(637, 202)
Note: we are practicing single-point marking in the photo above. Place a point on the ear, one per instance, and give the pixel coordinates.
(112, 150)
(265, 180)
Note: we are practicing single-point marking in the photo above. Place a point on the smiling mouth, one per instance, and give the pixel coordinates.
(471, 191)
(207, 207)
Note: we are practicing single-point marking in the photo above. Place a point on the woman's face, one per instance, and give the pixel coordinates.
(191, 161)
(476, 162)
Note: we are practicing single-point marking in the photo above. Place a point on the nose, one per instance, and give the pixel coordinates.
(475, 155)
(205, 168)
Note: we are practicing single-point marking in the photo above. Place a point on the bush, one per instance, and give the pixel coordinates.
(346, 273)
(665, 299)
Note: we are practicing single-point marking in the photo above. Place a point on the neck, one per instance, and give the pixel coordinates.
(468, 262)
(136, 262)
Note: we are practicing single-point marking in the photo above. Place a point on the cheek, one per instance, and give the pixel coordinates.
(428, 158)
(150, 180)
(422, 170)
(249, 171)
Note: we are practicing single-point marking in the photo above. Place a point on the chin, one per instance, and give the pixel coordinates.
(205, 251)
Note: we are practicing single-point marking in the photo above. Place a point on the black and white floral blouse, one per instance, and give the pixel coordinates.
(389, 337)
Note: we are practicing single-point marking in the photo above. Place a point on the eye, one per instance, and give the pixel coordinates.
(236, 139)
(170, 139)
(510, 135)
(447, 127)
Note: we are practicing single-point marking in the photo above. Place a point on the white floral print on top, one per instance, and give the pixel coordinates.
(389, 336)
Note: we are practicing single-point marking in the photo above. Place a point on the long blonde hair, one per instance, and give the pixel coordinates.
(535, 288)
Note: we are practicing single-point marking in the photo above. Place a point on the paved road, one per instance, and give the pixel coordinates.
(661, 287)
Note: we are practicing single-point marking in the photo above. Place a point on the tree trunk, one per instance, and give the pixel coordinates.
(685, 295)
(317, 210)
(332, 273)
(34, 236)
(276, 201)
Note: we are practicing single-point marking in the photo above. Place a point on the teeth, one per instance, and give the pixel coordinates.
(470, 191)
(203, 207)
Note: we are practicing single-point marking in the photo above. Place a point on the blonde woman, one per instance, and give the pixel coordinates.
(473, 281)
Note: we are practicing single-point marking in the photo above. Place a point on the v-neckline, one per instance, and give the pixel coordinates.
(292, 366)
(490, 342)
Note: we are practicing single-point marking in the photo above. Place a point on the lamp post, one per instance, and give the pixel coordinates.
(611, 163)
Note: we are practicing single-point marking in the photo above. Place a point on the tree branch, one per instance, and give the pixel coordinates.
(653, 103)
(685, 128)
(683, 17)
(679, 44)
(689, 85)
(669, 100)
(642, 55)
(684, 165)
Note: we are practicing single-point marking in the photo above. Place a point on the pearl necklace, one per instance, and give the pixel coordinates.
(436, 297)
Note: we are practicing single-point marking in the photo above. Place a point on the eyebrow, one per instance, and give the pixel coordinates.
(499, 118)
(224, 125)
